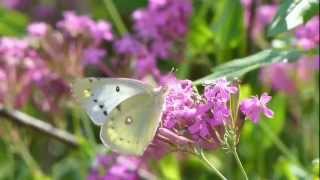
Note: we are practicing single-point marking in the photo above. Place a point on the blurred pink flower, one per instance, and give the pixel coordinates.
(102, 31)
(264, 17)
(38, 29)
(24, 70)
(128, 45)
(117, 167)
(279, 77)
(82, 25)
(308, 34)
(93, 55)
(75, 25)
(306, 68)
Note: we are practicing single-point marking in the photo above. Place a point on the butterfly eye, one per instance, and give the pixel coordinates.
(87, 93)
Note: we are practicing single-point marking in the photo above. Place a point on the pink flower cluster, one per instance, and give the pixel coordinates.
(36, 68)
(262, 17)
(117, 167)
(289, 78)
(56, 54)
(158, 28)
(191, 119)
(21, 70)
(285, 77)
(308, 36)
(39, 10)
(75, 26)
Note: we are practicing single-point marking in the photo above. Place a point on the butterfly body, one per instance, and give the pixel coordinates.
(127, 110)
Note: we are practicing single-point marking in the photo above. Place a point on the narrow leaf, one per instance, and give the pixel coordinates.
(239, 67)
(291, 14)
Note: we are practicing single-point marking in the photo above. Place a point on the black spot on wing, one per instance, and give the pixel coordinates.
(101, 106)
(105, 113)
(118, 89)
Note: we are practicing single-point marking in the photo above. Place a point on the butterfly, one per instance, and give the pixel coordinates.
(127, 110)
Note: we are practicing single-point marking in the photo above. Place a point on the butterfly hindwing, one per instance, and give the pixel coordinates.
(99, 96)
(131, 127)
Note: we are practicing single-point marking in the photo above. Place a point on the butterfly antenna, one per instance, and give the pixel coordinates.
(173, 70)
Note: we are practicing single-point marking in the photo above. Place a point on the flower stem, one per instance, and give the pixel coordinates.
(114, 14)
(236, 156)
(203, 157)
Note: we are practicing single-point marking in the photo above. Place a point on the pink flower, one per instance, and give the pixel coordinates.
(196, 117)
(75, 25)
(252, 108)
(38, 29)
(82, 25)
(102, 31)
(117, 167)
(93, 55)
(308, 34)
(279, 77)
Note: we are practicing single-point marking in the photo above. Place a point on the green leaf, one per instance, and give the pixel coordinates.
(169, 167)
(239, 67)
(200, 36)
(228, 23)
(228, 28)
(12, 23)
(291, 14)
(69, 169)
(6, 162)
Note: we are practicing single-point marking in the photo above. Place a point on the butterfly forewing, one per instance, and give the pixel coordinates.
(99, 96)
(131, 127)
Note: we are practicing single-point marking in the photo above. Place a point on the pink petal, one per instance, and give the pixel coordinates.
(194, 128)
(268, 112)
(264, 99)
(255, 116)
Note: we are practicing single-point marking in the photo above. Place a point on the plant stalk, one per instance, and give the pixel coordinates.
(203, 157)
(115, 16)
(236, 156)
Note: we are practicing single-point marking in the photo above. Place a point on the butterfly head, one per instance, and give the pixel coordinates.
(82, 89)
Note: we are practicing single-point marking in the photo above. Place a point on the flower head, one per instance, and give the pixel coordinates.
(116, 167)
(38, 29)
(280, 77)
(76, 25)
(196, 117)
(252, 108)
(93, 55)
(308, 35)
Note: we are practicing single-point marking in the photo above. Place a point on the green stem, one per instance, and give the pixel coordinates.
(203, 157)
(88, 130)
(235, 154)
(114, 14)
(278, 143)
